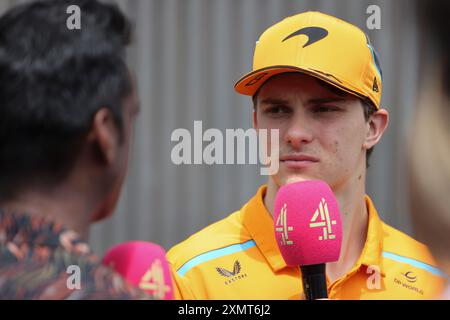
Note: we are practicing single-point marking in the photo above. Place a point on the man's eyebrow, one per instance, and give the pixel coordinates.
(274, 101)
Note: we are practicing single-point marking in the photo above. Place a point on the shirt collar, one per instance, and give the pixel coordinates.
(259, 223)
(373, 248)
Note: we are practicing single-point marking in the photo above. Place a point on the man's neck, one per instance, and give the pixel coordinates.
(354, 215)
(59, 205)
(355, 220)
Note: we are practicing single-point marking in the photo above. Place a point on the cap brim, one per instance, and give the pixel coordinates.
(251, 82)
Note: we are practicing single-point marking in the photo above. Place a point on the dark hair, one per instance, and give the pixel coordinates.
(367, 105)
(53, 81)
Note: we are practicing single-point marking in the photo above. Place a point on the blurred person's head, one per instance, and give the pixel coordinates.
(429, 144)
(67, 103)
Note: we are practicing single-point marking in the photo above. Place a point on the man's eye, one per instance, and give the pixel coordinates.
(277, 110)
(325, 109)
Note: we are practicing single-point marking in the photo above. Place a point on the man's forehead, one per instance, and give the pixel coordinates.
(296, 82)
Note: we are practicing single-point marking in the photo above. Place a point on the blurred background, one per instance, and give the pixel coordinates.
(187, 55)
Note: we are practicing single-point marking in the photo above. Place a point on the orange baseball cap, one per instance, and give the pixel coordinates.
(319, 45)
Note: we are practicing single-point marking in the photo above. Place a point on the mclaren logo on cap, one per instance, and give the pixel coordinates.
(314, 34)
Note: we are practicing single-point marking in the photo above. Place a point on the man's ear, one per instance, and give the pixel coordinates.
(104, 135)
(377, 124)
(255, 119)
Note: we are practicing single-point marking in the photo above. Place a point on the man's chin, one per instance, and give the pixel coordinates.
(294, 179)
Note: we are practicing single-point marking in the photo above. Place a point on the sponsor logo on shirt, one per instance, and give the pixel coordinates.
(406, 280)
(234, 275)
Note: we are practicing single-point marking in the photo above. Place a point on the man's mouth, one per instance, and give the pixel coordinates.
(298, 161)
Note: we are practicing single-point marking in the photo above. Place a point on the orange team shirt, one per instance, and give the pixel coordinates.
(238, 258)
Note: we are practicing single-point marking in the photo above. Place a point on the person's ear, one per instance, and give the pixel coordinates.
(104, 135)
(376, 125)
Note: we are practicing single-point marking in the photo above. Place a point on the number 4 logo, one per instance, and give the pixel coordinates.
(283, 228)
(153, 280)
(325, 221)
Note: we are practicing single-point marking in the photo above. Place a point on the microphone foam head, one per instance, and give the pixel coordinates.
(144, 265)
(308, 226)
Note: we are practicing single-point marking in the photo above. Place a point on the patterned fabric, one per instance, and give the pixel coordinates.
(39, 259)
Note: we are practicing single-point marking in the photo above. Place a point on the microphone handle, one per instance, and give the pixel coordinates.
(314, 281)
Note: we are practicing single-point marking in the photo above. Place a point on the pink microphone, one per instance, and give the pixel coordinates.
(308, 230)
(144, 265)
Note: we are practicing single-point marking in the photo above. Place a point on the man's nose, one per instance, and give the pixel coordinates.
(298, 131)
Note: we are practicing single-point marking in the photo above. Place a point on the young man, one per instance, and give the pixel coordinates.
(67, 108)
(318, 81)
